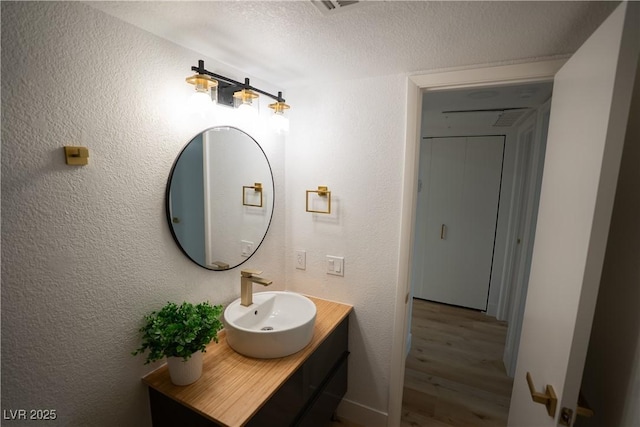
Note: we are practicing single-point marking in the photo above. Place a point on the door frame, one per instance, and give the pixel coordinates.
(512, 301)
(416, 85)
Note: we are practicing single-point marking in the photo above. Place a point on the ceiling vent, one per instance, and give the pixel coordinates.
(509, 118)
(329, 7)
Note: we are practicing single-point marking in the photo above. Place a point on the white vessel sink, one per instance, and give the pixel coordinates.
(277, 324)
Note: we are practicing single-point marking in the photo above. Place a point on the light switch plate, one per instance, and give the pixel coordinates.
(301, 260)
(335, 265)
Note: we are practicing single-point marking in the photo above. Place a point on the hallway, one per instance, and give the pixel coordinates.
(454, 372)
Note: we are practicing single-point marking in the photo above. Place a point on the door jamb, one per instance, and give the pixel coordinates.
(416, 85)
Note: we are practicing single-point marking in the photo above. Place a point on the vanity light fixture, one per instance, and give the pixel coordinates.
(245, 96)
(278, 121)
(205, 86)
(279, 106)
(232, 93)
(243, 100)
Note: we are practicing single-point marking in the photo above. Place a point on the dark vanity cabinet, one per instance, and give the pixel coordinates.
(307, 399)
(311, 395)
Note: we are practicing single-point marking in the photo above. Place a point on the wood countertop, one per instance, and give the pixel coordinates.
(234, 387)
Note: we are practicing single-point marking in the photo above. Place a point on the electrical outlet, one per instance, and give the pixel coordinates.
(301, 260)
(246, 248)
(335, 265)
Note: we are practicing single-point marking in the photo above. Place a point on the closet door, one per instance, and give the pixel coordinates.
(463, 190)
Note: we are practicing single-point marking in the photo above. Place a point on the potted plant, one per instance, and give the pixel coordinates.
(180, 333)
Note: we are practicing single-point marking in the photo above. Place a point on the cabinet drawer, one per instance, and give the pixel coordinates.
(166, 412)
(322, 407)
(296, 394)
(323, 360)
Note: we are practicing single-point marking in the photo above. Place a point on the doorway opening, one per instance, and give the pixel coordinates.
(479, 173)
(416, 85)
(486, 188)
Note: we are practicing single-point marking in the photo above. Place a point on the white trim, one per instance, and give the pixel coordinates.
(361, 415)
(527, 226)
(503, 308)
(492, 310)
(403, 289)
(529, 72)
(517, 73)
(521, 174)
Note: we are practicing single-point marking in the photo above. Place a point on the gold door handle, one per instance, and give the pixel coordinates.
(443, 230)
(584, 409)
(548, 398)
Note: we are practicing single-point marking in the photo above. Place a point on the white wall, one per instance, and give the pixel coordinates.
(86, 251)
(350, 136)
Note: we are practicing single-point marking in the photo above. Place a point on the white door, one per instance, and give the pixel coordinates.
(462, 193)
(589, 111)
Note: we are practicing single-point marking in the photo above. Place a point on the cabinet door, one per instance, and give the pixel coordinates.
(462, 191)
(310, 396)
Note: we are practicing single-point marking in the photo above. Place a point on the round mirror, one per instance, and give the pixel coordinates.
(219, 199)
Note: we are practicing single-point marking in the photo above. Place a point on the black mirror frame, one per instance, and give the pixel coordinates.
(168, 200)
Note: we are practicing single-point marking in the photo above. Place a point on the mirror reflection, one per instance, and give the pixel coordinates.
(220, 196)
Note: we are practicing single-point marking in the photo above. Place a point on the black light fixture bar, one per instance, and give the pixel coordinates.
(234, 83)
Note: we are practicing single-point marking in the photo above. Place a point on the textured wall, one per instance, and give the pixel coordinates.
(86, 251)
(350, 137)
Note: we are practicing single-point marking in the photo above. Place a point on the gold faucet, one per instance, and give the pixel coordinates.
(247, 278)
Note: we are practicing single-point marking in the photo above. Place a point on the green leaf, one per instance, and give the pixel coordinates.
(179, 330)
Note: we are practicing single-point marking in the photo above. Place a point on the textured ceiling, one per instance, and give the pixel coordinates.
(292, 43)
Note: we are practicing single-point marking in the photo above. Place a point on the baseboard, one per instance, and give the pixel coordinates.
(361, 414)
(492, 309)
(506, 360)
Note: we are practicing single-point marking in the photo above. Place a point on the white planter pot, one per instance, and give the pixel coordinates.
(185, 372)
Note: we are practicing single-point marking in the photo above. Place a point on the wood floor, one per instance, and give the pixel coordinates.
(454, 373)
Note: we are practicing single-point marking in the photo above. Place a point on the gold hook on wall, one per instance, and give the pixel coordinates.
(76, 156)
(257, 188)
(322, 191)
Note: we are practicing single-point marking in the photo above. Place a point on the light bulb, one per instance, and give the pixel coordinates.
(279, 123)
(200, 104)
(247, 112)
(202, 101)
